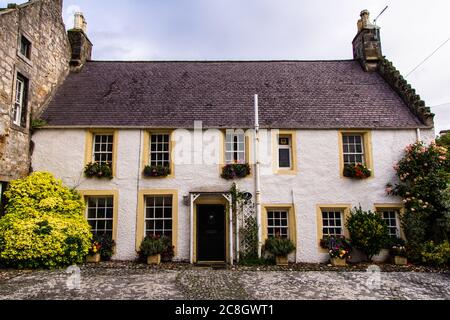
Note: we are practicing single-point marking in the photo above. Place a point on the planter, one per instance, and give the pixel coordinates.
(282, 260)
(400, 261)
(155, 259)
(338, 262)
(93, 258)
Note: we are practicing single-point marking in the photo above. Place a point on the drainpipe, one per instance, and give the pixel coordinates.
(418, 134)
(257, 176)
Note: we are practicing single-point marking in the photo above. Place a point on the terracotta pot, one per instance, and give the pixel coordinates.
(93, 258)
(338, 262)
(400, 261)
(155, 259)
(282, 260)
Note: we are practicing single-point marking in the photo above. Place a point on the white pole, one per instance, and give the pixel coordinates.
(419, 136)
(257, 176)
(231, 234)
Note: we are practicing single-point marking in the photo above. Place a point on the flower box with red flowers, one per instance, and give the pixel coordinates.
(156, 171)
(235, 171)
(357, 171)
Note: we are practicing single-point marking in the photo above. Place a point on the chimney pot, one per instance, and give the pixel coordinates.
(80, 22)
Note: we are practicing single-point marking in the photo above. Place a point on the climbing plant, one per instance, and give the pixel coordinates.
(423, 175)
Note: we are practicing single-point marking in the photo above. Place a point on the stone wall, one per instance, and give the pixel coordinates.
(40, 21)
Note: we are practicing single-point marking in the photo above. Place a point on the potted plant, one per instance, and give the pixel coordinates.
(235, 170)
(94, 253)
(338, 248)
(107, 246)
(99, 170)
(152, 247)
(357, 171)
(398, 251)
(280, 248)
(156, 171)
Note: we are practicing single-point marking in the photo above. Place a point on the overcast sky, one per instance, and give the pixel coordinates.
(274, 29)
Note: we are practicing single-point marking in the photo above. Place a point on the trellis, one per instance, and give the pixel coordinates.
(246, 215)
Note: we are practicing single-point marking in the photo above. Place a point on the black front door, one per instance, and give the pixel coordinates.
(210, 232)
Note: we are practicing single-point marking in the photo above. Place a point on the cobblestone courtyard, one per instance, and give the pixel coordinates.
(124, 283)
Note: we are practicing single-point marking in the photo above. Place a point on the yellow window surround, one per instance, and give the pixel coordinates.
(378, 207)
(89, 146)
(140, 219)
(367, 144)
(275, 160)
(105, 193)
(292, 230)
(146, 151)
(345, 208)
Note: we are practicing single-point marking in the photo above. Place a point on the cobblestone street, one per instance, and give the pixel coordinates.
(123, 283)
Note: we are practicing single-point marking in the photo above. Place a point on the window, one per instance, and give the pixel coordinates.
(160, 150)
(20, 101)
(158, 215)
(392, 218)
(332, 222)
(234, 148)
(25, 47)
(103, 148)
(100, 214)
(353, 148)
(285, 152)
(277, 223)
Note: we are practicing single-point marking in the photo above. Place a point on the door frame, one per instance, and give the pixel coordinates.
(214, 200)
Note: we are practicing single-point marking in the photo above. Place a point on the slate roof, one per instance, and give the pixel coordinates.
(292, 94)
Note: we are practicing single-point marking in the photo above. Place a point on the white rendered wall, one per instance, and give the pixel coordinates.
(318, 181)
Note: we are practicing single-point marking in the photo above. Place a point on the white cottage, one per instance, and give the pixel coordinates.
(185, 121)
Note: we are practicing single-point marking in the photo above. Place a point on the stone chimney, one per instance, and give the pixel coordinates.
(81, 46)
(367, 43)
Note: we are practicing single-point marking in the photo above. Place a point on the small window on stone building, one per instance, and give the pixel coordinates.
(25, 47)
(20, 101)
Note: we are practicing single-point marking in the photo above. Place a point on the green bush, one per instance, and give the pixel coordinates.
(437, 255)
(44, 225)
(152, 245)
(368, 232)
(279, 246)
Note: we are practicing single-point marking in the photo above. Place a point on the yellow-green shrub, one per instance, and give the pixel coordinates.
(44, 225)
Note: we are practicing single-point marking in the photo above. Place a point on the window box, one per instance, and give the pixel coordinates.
(154, 259)
(156, 171)
(235, 170)
(338, 248)
(357, 171)
(93, 258)
(99, 170)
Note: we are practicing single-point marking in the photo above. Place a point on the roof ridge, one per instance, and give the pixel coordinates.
(215, 61)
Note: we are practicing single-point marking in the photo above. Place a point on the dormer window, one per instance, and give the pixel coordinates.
(25, 47)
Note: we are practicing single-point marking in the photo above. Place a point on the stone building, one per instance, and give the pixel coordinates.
(167, 132)
(35, 57)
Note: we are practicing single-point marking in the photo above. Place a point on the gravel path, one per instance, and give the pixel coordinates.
(124, 282)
